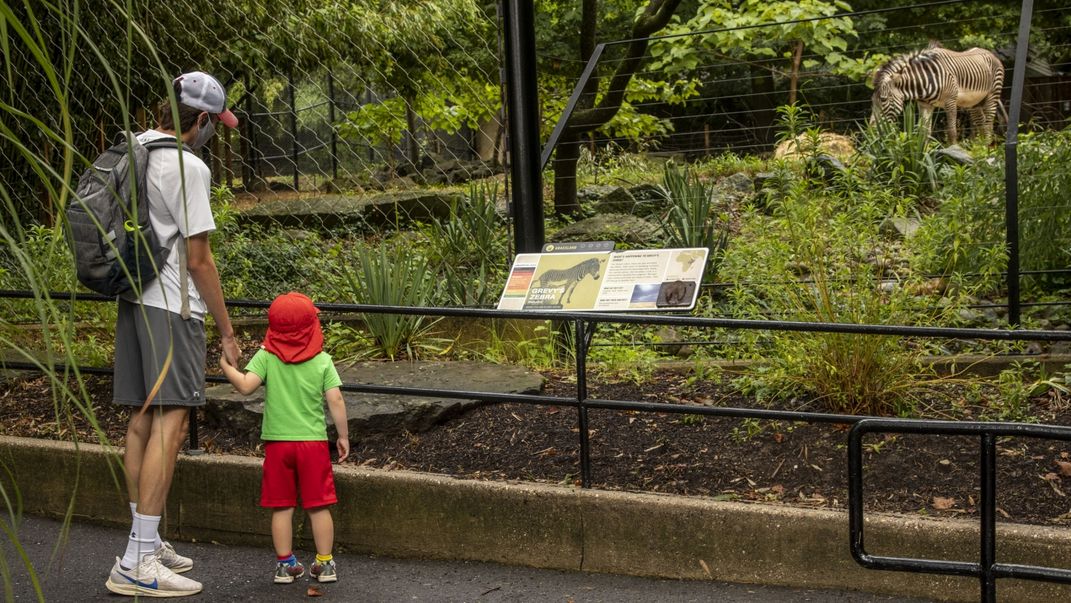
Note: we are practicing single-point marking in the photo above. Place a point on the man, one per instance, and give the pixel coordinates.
(160, 335)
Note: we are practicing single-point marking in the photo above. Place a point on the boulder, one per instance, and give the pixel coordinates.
(385, 413)
(900, 227)
(620, 228)
(650, 199)
(830, 143)
(617, 201)
(328, 211)
(955, 154)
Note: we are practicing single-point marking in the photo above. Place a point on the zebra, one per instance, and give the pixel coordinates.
(938, 77)
(569, 277)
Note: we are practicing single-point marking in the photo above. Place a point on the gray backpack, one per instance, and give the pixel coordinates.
(114, 246)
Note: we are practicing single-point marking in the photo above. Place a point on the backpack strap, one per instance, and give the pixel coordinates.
(184, 270)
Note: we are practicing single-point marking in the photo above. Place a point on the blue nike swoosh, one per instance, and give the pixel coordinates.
(153, 585)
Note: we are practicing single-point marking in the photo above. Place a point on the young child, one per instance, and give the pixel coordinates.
(297, 375)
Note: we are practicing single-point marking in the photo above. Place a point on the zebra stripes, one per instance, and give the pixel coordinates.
(568, 277)
(942, 78)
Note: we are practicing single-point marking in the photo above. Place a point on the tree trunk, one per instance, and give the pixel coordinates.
(565, 160)
(794, 77)
(762, 104)
(654, 18)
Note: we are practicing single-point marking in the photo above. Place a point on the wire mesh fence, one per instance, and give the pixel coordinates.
(365, 127)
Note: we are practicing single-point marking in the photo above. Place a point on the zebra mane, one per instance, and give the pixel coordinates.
(901, 62)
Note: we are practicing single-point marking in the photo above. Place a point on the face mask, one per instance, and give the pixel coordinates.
(204, 134)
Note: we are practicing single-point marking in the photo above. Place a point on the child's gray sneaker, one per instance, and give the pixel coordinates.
(324, 572)
(285, 573)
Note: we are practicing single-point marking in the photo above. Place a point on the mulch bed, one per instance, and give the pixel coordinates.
(774, 462)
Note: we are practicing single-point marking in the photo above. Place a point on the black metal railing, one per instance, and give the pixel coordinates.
(986, 569)
(585, 324)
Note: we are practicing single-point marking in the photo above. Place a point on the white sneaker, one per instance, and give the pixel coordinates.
(150, 579)
(172, 560)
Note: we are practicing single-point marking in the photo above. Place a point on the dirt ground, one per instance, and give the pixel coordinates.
(773, 462)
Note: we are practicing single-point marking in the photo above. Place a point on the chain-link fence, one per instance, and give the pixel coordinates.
(367, 126)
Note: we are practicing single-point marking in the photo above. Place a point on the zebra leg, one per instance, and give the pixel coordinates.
(977, 114)
(951, 114)
(989, 115)
(925, 117)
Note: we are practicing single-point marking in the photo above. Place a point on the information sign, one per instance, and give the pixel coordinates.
(608, 281)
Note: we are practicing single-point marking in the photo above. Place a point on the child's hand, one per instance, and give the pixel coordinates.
(223, 361)
(343, 445)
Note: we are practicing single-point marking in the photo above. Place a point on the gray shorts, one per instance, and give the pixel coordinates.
(143, 336)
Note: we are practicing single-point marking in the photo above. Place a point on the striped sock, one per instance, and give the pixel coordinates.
(287, 559)
(324, 558)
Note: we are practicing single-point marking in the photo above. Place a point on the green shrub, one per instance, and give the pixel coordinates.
(820, 259)
(966, 234)
(397, 278)
(691, 219)
(903, 158)
(468, 249)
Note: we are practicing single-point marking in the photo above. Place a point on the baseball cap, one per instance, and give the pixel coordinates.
(294, 333)
(202, 91)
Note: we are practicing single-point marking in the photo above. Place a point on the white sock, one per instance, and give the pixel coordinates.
(157, 541)
(141, 540)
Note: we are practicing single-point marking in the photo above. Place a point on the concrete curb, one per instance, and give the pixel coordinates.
(406, 514)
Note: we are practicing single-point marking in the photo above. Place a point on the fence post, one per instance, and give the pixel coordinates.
(1011, 161)
(331, 123)
(293, 128)
(523, 109)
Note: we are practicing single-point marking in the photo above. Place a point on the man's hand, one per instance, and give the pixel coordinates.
(343, 445)
(231, 352)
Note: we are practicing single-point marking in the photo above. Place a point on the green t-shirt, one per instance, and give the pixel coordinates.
(294, 396)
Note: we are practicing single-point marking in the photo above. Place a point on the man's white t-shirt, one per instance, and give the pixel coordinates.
(176, 211)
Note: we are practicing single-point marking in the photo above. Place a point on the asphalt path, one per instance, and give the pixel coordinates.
(76, 571)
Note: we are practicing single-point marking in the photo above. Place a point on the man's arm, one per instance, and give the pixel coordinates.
(202, 268)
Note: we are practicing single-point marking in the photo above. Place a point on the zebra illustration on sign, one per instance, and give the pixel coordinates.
(938, 77)
(569, 277)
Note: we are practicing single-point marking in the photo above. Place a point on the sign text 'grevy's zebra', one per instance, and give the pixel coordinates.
(942, 78)
(569, 277)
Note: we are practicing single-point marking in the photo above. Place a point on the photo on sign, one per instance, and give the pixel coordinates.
(560, 279)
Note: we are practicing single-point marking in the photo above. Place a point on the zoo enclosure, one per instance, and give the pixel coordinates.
(729, 120)
(585, 325)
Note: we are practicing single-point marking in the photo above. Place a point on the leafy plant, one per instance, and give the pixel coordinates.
(690, 220)
(538, 347)
(395, 278)
(820, 259)
(904, 159)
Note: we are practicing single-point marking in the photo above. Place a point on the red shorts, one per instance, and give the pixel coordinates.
(293, 466)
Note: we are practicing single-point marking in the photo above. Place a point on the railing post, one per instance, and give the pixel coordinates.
(581, 397)
(988, 512)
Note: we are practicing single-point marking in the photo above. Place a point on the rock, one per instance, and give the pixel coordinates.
(955, 154)
(825, 166)
(900, 228)
(650, 199)
(620, 228)
(324, 212)
(617, 201)
(830, 143)
(386, 413)
(739, 183)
